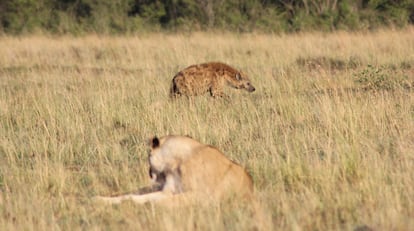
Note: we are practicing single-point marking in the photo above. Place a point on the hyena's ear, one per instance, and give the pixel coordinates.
(238, 76)
(154, 142)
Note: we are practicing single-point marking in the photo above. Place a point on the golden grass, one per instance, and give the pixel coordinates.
(324, 153)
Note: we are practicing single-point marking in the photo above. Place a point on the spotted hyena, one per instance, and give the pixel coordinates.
(208, 77)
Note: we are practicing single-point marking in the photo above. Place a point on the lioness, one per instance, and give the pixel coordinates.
(183, 168)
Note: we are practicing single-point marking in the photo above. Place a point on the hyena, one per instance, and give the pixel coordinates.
(182, 168)
(209, 77)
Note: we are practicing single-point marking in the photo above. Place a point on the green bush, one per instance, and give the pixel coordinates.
(125, 16)
(382, 78)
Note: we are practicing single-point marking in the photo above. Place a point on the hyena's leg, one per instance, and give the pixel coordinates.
(216, 90)
(177, 86)
(218, 93)
(174, 93)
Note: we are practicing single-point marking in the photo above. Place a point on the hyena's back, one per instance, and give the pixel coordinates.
(208, 77)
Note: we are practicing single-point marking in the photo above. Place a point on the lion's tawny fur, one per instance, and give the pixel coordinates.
(203, 168)
(184, 168)
(209, 77)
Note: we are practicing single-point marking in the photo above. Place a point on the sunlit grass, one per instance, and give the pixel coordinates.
(325, 151)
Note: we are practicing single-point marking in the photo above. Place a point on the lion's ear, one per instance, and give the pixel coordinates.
(155, 142)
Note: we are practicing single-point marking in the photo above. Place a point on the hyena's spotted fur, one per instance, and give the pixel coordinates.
(208, 77)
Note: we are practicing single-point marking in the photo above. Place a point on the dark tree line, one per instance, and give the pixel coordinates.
(129, 16)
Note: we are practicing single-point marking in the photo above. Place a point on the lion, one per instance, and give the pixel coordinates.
(182, 168)
(209, 77)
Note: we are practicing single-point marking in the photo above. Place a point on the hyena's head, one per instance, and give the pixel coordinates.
(241, 81)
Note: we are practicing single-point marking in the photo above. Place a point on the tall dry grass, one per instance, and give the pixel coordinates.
(325, 152)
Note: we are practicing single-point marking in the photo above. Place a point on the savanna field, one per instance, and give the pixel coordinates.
(328, 135)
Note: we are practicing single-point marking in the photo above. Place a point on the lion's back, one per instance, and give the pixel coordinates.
(209, 171)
